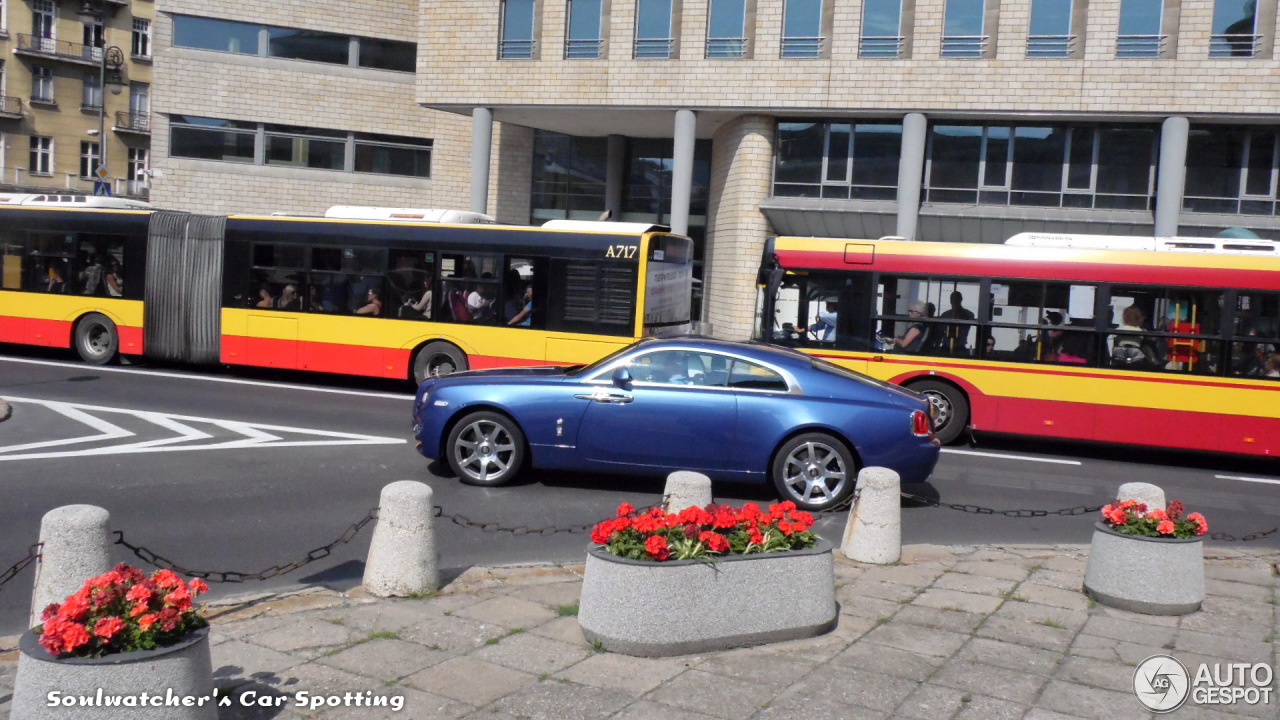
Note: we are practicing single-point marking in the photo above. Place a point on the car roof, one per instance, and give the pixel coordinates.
(759, 351)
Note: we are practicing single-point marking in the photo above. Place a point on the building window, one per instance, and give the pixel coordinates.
(654, 29)
(1050, 33)
(1235, 29)
(388, 55)
(1141, 30)
(584, 41)
(139, 164)
(882, 34)
(518, 24)
(92, 95)
(1082, 166)
(964, 31)
(727, 32)
(838, 160)
(93, 34)
(90, 158)
(392, 155)
(306, 147)
(41, 160)
(41, 84)
(308, 45)
(211, 139)
(44, 22)
(802, 29)
(141, 38)
(1232, 170)
(210, 34)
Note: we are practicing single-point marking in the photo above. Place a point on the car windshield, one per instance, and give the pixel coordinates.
(577, 370)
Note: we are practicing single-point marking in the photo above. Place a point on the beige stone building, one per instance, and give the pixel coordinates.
(53, 120)
(732, 119)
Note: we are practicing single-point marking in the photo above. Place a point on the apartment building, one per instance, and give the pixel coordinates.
(75, 87)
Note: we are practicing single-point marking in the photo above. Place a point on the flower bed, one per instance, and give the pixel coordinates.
(1148, 562)
(706, 579)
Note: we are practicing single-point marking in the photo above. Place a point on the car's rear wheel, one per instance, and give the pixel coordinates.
(438, 358)
(815, 471)
(486, 448)
(96, 339)
(950, 408)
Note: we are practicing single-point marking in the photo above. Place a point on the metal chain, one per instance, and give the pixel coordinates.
(980, 510)
(1228, 537)
(33, 554)
(843, 505)
(518, 530)
(231, 576)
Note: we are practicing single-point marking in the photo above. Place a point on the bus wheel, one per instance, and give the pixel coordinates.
(96, 340)
(951, 408)
(438, 358)
(486, 448)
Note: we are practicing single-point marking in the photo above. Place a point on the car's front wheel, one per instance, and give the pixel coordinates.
(486, 448)
(815, 471)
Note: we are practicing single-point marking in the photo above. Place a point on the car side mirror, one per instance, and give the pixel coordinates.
(622, 378)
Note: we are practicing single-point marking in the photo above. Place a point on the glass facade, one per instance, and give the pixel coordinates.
(1141, 29)
(727, 29)
(517, 42)
(838, 160)
(963, 29)
(1049, 34)
(802, 29)
(1235, 27)
(291, 43)
(882, 35)
(584, 41)
(1232, 169)
(653, 29)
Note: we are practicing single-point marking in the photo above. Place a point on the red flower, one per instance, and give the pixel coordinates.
(75, 608)
(138, 594)
(753, 535)
(656, 546)
(146, 621)
(648, 523)
(626, 508)
(1165, 527)
(137, 610)
(715, 541)
(166, 579)
(108, 626)
(50, 611)
(198, 586)
(169, 618)
(1175, 509)
(1202, 525)
(1158, 514)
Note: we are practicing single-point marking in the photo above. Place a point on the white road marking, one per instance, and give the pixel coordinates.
(1248, 479)
(1026, 458)
(186, 437)
(233, 381)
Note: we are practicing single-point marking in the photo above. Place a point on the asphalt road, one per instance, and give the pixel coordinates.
(284, 463)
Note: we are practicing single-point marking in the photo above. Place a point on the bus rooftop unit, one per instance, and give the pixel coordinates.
(429, 215)
(1243, 246)
(73, 201)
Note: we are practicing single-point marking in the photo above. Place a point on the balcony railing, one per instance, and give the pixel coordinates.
(802, 47)
(726, 47)
(516, 49)
(10, 106)
(133, 122)
(881, 46)
(583, 49)
(964, 46)
(1141, 46)
(654, 48)
(61, 49)
(1050, 46)
(1234, 45)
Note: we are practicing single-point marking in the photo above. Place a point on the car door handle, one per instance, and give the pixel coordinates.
(605, 397)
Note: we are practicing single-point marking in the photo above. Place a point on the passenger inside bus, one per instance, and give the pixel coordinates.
(423, 305)
(289, 299)
(824, 326)
(265, 299)
(373, 304)
(55, 282)
(917, 333)
(115, 280)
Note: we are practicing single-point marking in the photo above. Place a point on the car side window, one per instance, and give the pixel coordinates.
(749, 376)
(681, 367)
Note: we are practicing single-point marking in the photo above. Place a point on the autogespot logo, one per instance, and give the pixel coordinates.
(1161, 683)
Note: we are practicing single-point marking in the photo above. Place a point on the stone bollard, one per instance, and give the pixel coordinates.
(77, 546)
(402, 555)
(686, 489)
(873, 533)
(1147, 493)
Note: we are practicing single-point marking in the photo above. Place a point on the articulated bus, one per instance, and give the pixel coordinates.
(415, 294)
(1150, 347)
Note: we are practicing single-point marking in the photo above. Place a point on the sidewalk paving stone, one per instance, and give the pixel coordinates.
(965, 582)
(1046, 615)
(713, 694)
(532, 654)
(1091, 702)
(1048, 595)
(917, 639)
(854, 686)
(509, 612)
(974, 677)
(956, 621)
(980, 707)
(556, 700)
(930, 702)
(624, 673)
(470, 680)
(1010, 656)
(384, 658)
(889, 660)
(646, 710)
(1037, 635)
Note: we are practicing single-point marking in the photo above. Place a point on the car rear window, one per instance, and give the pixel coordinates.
(830, 367)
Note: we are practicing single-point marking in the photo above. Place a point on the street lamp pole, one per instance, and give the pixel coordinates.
(109, 73)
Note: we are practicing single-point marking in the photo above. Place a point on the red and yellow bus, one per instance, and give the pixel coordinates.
(1161, 348)
(395, 298)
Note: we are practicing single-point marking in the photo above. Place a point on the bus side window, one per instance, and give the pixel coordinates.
(1255, 342)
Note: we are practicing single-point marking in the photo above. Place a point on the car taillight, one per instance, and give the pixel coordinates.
(921, 426)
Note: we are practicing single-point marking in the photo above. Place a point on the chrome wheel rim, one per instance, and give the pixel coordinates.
(484, 451)
(815, 473)
(941, 408)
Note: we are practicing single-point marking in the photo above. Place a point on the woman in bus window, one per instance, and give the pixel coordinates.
(265, 299)
(55, 282)
(114, 280)
(913, 339)
(372, 306)
(423, 305)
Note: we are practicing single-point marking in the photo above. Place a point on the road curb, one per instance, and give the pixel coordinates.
(6, 410)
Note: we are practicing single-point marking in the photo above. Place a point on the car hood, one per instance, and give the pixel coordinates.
(522, 373)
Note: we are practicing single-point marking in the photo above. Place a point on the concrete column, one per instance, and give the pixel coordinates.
(402, 554)
(682, 170)
(481, 145)
(615, 174)
(873, 533)
(1171, 175)
(77, 547)
(1146, 493)
(911, 173)
(741, 174)
(686, 489)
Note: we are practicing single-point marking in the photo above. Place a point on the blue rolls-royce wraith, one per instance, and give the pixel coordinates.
(735, 411)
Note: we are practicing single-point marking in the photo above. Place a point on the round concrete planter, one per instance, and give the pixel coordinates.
(655, 609)
(1154, 576)
(177, 671)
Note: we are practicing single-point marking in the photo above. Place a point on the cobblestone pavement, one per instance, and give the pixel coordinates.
(972, 633)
